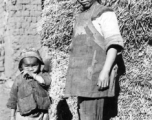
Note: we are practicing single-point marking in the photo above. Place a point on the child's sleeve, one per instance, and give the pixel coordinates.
(44, 53)
(47, 67)
(47, 78)
(12, 101)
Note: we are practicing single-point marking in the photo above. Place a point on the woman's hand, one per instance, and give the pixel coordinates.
(103, 80)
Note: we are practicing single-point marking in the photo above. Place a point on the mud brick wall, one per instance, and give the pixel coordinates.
(21, 30)
(2, 30)
(2, 56)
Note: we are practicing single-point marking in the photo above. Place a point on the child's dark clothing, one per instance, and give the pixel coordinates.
(28, 96)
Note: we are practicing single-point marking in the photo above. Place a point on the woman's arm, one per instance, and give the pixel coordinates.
(103, 80)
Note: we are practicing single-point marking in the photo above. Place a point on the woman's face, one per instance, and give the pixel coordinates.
(86, 3)
(31, 64)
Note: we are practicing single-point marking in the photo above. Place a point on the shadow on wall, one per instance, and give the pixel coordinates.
(63, 111)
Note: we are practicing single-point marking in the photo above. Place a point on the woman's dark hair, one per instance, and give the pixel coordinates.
(99, 1)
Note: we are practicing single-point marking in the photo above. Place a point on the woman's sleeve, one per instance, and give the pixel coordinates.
(110, 30)
(12, 101)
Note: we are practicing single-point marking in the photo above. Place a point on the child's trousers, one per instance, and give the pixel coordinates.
(90, 108)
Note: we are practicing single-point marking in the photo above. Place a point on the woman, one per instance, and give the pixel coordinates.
(92, 66)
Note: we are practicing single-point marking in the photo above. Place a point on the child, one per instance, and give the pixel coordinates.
(29, 99)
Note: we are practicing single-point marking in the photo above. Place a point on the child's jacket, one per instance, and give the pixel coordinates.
(88, 55)
(28, 95)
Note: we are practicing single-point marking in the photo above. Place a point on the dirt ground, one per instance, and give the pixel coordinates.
(4, 94)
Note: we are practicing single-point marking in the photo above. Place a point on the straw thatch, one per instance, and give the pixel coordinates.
(135, 22)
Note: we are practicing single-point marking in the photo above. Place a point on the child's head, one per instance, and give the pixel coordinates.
(30, 60)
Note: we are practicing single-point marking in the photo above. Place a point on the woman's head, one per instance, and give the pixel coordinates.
(30, 60)
(87, 3)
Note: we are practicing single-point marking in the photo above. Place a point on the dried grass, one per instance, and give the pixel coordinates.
(135, 23)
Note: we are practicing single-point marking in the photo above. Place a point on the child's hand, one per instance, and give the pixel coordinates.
(27, 73)
(103, 80)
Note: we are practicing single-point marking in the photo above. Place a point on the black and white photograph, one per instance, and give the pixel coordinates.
(75, 59)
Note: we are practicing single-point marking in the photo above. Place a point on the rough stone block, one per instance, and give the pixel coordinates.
(23, 40)
(1, 5)
(2, 58)
(31, 41)
(26, 13)
(25, 25)
(36, 2)
(18, 25)
(27, 7)
(33, 25)
(12, 7)
(15, 7)
(23, 1)
(18, 19)
(31, 32)
(21, 32)
(38, 18)
(33, 7)
(35, 13)
(23, 19)
(2, 69)
(2, 63)
(12, 13)
(24, 7)
(11, 26)
(17, 38)
(36, 40)
(11, 20)
(16, 32)
(32, 13)
(1, 28)
(19, 7)
(1, 9)
(34, 19)
(2, 53)
(18, 13)
(39, 7)
(28, 19)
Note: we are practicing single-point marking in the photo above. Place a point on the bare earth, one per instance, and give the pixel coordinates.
(4, 94)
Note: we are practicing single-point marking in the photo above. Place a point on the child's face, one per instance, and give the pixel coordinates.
(31, 64)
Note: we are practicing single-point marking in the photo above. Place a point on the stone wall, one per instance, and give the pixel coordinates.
(3, 15)
(2, 56)
(19, 30)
